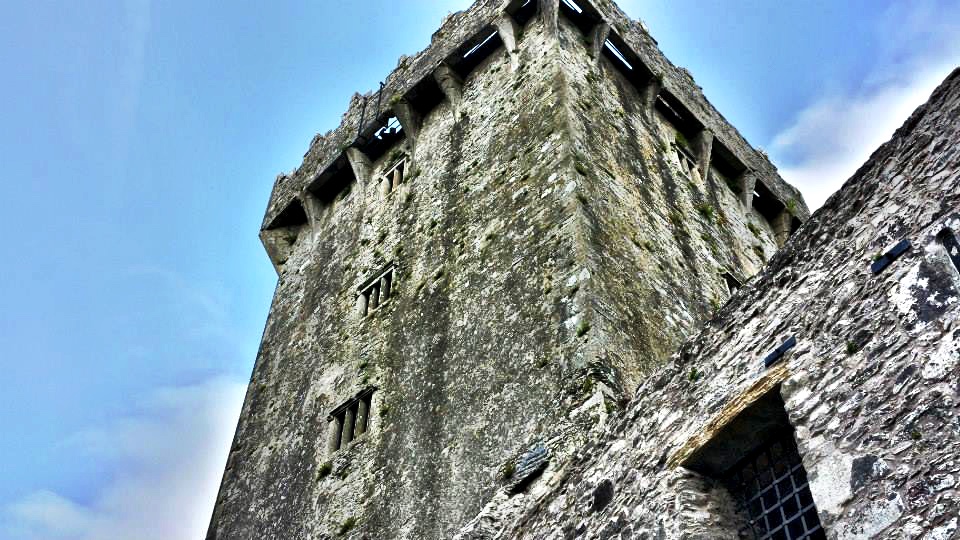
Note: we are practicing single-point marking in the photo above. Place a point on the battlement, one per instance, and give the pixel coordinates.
(377, 119)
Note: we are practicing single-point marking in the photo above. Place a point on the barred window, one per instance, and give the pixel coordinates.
(375, 292)
(772, 488)
(394, 176)
(350, 420)
(756, 459)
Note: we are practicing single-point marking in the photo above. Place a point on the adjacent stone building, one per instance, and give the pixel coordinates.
(505, 243)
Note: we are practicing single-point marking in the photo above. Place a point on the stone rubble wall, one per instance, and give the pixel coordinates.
(872, 386)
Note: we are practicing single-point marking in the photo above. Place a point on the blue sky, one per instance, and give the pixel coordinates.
(140, 140)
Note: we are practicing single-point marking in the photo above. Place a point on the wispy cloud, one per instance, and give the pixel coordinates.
(836, 134)
(167, 458)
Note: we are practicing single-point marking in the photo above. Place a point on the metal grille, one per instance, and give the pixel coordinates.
(772, 486)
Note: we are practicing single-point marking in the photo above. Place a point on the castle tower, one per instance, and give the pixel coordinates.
(480, 264)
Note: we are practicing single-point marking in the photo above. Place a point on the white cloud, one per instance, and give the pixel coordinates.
(168, 459)
(833, 136)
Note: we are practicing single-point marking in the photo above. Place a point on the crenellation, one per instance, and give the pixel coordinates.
(486, 21)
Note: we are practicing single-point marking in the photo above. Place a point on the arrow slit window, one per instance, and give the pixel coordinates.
(949, 242)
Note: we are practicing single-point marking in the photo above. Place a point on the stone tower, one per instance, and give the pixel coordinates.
(849, 339)
(480, 264)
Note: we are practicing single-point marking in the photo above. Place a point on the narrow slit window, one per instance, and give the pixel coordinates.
(350, 420)
(949, 242)
(375, 293)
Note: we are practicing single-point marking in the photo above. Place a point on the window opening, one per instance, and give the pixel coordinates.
(394, 176)
(949, 241)
(675, 113)
(755, 457)
(523, 12)
(478, 46)
(334, 183)
(624, 60)
(772, 487)
(619, 55)
(685, 156)
(375, 293)
(726, 166)
(425, 96)
(350, 420)
(474, 52)
(766, 203)
(292, 216)
(381, 135)
(583, 19)
(391, 129)
(733, 284)
(573, 5)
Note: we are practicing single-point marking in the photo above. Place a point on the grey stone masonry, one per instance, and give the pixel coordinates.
(529, 216)
(870, 388)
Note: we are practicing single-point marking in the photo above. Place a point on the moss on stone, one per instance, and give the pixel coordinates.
(583, 328)
(347, 526)
(706, 210)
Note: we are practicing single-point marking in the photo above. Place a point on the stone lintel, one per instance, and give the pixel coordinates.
(734, 406)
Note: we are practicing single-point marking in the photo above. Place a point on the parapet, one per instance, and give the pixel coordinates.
(422, 81)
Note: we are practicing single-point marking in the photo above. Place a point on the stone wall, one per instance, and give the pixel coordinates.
(549, 245)
(871, 386)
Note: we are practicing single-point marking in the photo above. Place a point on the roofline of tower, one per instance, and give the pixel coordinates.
(460, 32)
